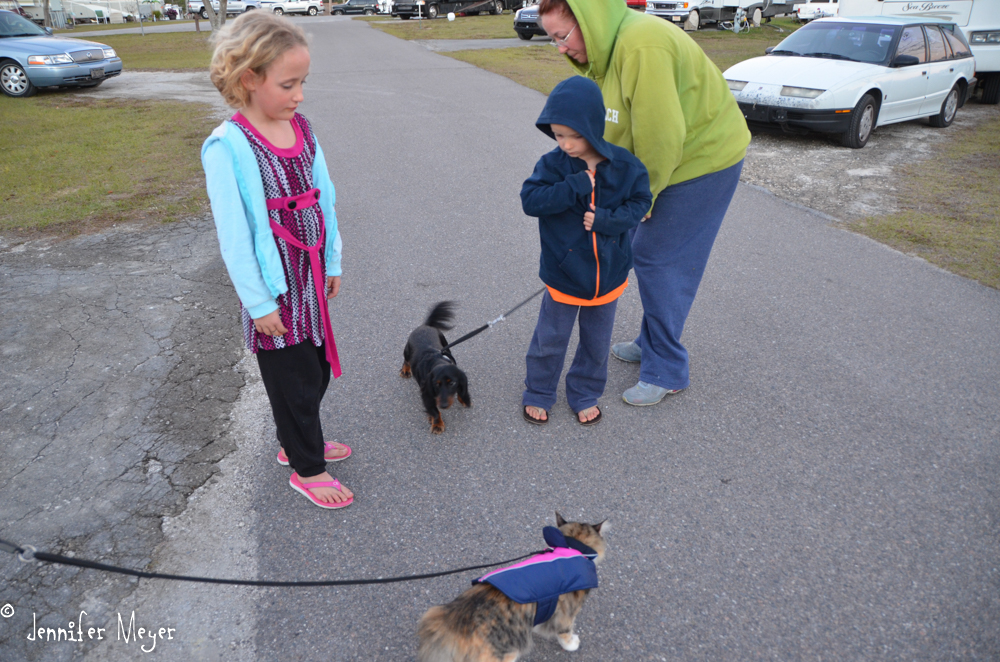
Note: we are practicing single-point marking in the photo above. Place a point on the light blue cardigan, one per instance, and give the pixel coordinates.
(236, 192)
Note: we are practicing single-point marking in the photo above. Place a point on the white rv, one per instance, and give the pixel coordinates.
(979, 20)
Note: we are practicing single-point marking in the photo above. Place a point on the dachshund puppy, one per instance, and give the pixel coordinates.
(432, 365)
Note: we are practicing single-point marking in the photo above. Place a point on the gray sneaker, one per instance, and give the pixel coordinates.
(628, 352)
(643, 394)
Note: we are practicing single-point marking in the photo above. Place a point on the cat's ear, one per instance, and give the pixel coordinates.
(603, 527)
(559, 519)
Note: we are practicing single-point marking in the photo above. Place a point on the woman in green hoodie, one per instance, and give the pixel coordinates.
(669, 105)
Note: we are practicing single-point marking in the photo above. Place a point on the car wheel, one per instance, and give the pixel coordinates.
(204, 14)
(991, 89)
(862, 124)
(497, 8)
(693, 21)
(14, 81)
(432, 11)
(948, 109)
(312, 11)
(524, 35)
(757, 13)
(278, 11)
(249, 7)
(338, 12)
(369, 12)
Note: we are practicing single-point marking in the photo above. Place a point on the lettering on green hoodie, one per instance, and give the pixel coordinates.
(667, 103)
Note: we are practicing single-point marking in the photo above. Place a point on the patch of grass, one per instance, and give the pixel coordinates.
(541, 68)
(68, 32)
(949, 206)
(537, 67)
(70, 165)
(463, 27)
(172, 51)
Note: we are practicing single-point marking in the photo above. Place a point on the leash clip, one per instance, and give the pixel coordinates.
(27, 555)
(496, 321)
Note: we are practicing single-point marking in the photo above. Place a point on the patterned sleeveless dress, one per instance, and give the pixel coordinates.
(287, 173)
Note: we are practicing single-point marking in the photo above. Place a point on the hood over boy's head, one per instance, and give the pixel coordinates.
(577, 102)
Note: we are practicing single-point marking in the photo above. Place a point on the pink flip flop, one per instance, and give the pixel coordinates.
(327, 446)
(303, 489)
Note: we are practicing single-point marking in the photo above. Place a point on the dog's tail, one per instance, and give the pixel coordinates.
(441, 314)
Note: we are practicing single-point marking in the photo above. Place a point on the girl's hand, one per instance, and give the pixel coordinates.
(332, 286)
(270, 325)
(588, 218)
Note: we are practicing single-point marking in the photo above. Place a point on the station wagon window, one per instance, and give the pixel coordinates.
(840, 41)
(936, 42)
(957, 43)
(912, 43)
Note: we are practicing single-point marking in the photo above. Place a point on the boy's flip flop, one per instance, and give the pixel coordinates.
(532, 420)
(327, 446)
(594, 421)
(303, 489)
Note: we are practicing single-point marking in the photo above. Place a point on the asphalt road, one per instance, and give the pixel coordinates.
(825, 489)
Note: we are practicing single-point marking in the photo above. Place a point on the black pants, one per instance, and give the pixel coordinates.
(296, 378)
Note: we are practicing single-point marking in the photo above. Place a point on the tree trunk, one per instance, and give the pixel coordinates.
(217, 19)
(46, 16)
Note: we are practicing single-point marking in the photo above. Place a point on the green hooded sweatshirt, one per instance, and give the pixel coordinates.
(667, 103)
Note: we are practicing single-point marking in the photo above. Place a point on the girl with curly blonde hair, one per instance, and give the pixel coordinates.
(272, 201)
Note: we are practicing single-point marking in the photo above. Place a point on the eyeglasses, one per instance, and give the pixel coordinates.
(563, 41)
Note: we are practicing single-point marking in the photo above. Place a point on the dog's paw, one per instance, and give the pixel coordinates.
(405, 370)
(569, 642)
(437, 424)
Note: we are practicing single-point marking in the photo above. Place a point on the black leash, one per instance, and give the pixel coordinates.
(29, 553)
(489, 324)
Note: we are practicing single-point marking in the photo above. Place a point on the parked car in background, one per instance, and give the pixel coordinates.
(849, 76)
(367, 7)
(30, 57)
(526, 23)
(638, 5)
(280, 7)
(810, 11)
(232, 7)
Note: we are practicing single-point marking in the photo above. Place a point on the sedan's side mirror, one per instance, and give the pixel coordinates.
(48, 31)
(767, 51)
(905, 60)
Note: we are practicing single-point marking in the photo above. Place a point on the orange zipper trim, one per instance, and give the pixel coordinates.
(593, 235)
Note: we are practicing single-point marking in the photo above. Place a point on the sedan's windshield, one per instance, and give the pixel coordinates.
(12, 25)
(840, 41)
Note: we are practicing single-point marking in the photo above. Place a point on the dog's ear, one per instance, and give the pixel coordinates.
(559, 519)
(463, 389)
(603, 527)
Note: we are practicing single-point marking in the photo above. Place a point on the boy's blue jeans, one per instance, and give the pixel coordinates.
(670, 252)
(589, 372)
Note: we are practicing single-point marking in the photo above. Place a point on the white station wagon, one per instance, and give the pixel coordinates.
(848, 76)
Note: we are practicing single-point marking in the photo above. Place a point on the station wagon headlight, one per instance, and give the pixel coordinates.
(109, 53)
(801, 92)
(985, 38)
(736, 85)
(62, 58)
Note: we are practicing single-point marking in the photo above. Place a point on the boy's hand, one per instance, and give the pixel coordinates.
(270, 325)
(332, 286)
(588, 218)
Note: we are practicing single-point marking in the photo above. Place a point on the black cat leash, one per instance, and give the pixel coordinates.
(27, 554)
(488, 325)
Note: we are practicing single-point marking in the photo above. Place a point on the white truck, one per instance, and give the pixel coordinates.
(978, 19)
(695, 13)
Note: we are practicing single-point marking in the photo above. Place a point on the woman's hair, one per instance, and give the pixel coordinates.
(250, 43)
(546, 6)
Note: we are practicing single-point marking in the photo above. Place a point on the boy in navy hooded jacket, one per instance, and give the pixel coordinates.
(587, 194)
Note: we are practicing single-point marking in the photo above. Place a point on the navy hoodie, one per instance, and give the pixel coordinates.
(584, 265)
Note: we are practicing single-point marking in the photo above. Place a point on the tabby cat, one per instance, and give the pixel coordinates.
(484, 625)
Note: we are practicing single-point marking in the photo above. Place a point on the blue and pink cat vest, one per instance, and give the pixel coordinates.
(567, 566)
